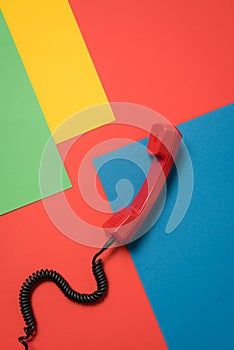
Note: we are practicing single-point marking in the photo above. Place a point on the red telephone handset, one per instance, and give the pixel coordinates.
(163, 145)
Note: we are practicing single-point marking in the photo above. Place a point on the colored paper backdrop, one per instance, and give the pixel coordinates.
(57, 62)
(23, 133)
(174, 57)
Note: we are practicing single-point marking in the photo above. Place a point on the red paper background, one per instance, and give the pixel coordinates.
(124, 320)
(173, 56)
(176, 57)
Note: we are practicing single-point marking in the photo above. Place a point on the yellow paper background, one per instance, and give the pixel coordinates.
(57, 62)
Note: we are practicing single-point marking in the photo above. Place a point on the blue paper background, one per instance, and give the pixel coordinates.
(188, 275)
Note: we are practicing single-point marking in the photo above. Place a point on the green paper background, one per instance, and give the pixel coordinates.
(23, 133)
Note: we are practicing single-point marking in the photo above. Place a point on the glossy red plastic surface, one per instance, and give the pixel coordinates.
(163, 145)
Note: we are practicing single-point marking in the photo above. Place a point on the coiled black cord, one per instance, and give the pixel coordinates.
(50, 275)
